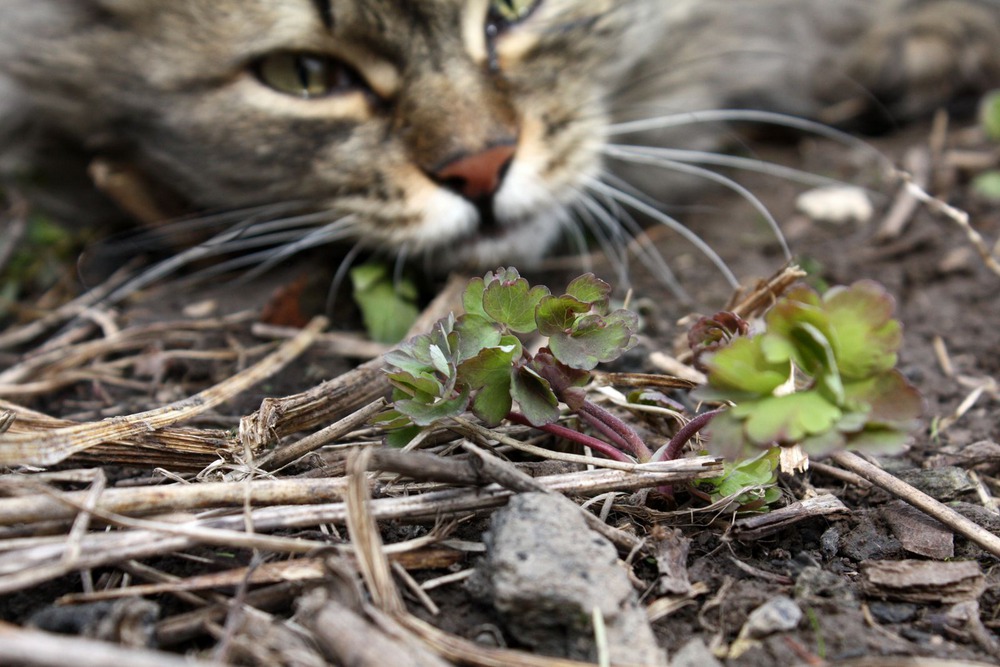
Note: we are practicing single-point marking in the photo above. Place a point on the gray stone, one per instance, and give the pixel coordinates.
(779, 614)
(547, 572)
(694, 654)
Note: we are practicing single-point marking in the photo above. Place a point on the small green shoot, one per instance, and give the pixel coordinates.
(989, 115)
(821, 376)
(388, 307)
(752, 483)
(477, 360)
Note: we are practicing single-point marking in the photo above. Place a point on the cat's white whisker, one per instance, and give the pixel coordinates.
(644, 249)
(240, 217)
(670, 222)
(340, 275)
(232, 240)
(681, 119)
(399, 265)
(337, 230)
(725, 181)
(730, 161)
(608, 234)
(576, 237)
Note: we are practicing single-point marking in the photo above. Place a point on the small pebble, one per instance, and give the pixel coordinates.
(836, 204)
(779, 614)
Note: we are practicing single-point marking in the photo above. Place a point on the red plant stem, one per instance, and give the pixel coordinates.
(604, 448)
(623, 434)
(683, 436)
(616, 439)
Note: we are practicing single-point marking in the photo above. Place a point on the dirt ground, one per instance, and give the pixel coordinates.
(828, 565)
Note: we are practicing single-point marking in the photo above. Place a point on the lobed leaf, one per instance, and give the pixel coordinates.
(557, 315)
(591, 290)
(512, 301)
(475, 332)
(865, 335)
(595, 339)
(534, 396)
(742, 371)
(786, 419)
(388, 307)
(425, 414)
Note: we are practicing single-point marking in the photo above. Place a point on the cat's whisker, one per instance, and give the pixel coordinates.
(340, 275)
(574, 231)
(337, 230)
(681, 119)
(399, 265)
(668, 221)
(600, 225)
(731, 161)
(229, 219)
(644, 249)
(725, 181)
(227, 242)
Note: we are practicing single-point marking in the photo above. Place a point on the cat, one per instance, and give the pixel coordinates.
(469, 132)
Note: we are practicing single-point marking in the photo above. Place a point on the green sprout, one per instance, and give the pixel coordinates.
(751, 483)
(388, 307)
(821, 376)
(477, 361)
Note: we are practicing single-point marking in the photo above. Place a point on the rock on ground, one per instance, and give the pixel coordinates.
(547, 572)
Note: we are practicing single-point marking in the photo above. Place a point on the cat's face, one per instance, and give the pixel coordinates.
(459, 126)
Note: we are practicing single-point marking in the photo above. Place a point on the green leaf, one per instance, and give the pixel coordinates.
(475, 332)
(401, 437)
(388, 308)
(490, 366)
(888, 399)
(425, 414)
(591, 290)
(512, 302)
(786, 419)
(490, 373)
(812, 351)
(802, 324)
(472, 298)
(987, 185)
(557, 315)
(865, 336)
(742, 371)
(755, 477)
(595, 339)
(493, 402)
(989, 114)
(423, 387)
(534, 396)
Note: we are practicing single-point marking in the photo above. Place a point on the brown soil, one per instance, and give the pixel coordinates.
(947, 299)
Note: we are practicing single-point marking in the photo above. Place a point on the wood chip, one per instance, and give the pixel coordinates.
(923, 582)
(918, 533)
(764, 524)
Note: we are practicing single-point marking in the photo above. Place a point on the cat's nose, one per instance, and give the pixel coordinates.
(478, 176)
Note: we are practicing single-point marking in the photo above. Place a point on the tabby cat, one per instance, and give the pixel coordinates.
(467, 131)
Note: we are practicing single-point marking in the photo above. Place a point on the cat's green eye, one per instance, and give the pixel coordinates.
(512, 11)
(306, 75)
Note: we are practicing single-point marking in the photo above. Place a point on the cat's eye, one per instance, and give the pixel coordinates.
(504, 13)
(307, 75)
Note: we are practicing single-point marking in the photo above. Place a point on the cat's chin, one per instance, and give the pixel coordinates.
(523, 241)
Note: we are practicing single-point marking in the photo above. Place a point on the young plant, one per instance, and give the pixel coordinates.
(751, 483)
(477, 361)
(821, 376)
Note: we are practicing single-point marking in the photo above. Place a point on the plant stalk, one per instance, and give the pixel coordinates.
(684, 435)
(604, 448)
(619, 431)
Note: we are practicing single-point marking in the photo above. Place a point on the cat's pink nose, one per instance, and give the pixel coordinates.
(477, 177)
